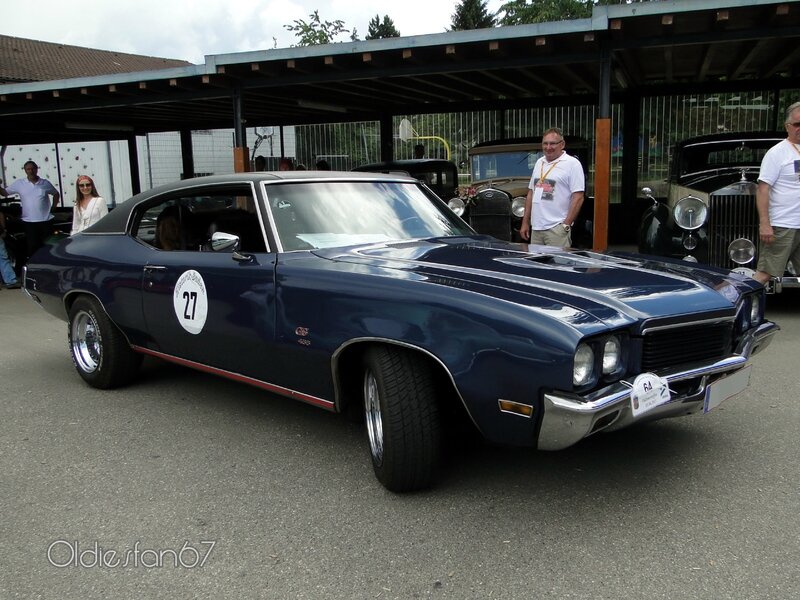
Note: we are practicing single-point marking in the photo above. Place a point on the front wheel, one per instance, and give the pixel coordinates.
(100, 352)
(402, 418)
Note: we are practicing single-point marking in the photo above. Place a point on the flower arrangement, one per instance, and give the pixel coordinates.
(468, 195)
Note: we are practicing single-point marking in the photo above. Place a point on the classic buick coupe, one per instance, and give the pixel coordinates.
(364, 293)
(709, 214)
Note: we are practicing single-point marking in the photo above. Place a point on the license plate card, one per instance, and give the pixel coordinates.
(648, 391)
(725, 388)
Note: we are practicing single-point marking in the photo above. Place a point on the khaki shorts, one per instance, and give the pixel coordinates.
(555, 236)
(772, 258)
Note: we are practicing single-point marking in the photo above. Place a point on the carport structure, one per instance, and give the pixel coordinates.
(619, 55)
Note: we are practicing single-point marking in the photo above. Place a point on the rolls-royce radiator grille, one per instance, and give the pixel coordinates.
(684, 345)
(730, 217)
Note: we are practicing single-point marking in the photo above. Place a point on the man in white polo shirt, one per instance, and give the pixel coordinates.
(555, 194)
(33, 192)
(778, 202)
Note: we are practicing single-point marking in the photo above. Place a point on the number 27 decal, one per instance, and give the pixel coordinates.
(190, 301)
(190, 298)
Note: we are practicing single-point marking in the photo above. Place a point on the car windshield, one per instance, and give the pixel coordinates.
(697, 158)
(325, 214)
(503, 164)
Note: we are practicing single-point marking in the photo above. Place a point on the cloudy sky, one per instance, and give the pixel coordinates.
(190, 29)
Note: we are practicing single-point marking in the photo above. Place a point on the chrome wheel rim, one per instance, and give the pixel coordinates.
(372, 412)
(86, 346)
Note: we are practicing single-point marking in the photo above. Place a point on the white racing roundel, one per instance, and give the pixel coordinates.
(191, 301)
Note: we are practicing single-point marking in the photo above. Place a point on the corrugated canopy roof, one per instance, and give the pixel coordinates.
(660, 47)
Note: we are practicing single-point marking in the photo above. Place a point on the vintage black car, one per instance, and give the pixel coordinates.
(438, 174)
(363, 293)
(15, 232)
(709, 214)
(501, 171)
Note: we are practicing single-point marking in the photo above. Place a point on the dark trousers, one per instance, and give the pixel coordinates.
(35, 236)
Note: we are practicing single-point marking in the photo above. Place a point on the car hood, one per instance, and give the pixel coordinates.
(615, 289)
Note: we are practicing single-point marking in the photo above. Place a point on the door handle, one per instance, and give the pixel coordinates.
(155, 268)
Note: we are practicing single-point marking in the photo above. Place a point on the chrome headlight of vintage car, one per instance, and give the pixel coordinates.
(583, 367)
(599, 357)
(690, 213)
(741, 251)
(612, 355)
(457, 205)
(518, 206)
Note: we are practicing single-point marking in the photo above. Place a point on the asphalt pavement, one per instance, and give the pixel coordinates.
(183, 485)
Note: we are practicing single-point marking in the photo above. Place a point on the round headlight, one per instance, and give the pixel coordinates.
(612, 354)
(689, 258)
(583, 369)
(741, 251)
(456, 205)
(518, 206)
(690, 213)
(690, 242)
(755, 310)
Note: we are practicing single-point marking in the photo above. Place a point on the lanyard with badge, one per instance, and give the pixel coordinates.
(797, 162)
(543, 189)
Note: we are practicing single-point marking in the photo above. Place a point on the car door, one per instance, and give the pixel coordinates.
(214, 308)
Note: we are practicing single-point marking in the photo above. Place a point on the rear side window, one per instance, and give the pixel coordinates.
(185, 221)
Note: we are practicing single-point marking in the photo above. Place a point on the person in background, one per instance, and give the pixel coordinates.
(555, 194)
(6, 269)
(778, 202)
(260, 163)
(89, 206)
(33, 192)
(322, 165)
(286, 164)
(419, 151)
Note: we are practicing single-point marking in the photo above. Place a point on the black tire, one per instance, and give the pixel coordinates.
(402, 415)
(99, 351)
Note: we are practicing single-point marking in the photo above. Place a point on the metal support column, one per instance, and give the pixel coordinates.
(133, 163)
(632, 206)
(387, 137)
(602, 155)
(187, 154)
(241, 155)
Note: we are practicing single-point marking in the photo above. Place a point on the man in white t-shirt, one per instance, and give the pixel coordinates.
(33, 192)
(555, 194)
(778, 202)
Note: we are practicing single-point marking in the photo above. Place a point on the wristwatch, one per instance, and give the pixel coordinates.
(567, 228)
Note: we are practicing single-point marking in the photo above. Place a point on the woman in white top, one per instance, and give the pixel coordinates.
(89, 206)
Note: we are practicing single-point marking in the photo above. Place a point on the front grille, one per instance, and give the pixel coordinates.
(498, 226)
(685, 345)
(730, 217)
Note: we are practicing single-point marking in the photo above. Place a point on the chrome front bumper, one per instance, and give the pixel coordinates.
(568, 419)
(776, 285)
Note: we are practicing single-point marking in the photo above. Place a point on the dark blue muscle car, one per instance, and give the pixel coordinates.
(364, 293)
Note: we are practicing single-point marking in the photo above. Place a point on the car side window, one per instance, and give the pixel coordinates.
(187, 221)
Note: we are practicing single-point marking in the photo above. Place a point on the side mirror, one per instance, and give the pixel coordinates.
(224, 242)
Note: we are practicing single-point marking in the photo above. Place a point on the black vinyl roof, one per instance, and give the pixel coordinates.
(650, 48)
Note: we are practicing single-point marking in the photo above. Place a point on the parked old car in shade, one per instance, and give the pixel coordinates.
(364, 293)
(709, 214)
(438, 174)
(501, 172)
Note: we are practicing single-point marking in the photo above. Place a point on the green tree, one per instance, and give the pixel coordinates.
(378, 29)
(315, 31)
(519, 12)
(471, 14)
